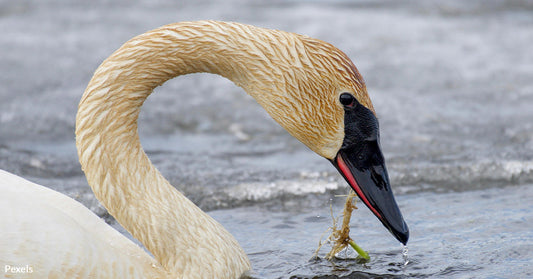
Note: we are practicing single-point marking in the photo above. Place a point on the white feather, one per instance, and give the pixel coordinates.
(59, 237)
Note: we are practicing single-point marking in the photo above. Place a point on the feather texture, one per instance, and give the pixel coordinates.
(296, 79)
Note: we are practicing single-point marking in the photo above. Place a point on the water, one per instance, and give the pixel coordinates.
(474, 234)
(451, 83)
(405, 255)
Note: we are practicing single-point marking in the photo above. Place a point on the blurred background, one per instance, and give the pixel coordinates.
(451, 81)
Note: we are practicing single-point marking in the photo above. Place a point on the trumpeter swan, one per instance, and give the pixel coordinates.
(308, 86)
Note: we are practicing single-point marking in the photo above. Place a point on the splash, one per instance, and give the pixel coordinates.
(405, 255)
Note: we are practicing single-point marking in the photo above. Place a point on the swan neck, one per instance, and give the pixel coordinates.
(122, 177)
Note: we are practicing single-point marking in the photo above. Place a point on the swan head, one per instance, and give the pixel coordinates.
(320, 98)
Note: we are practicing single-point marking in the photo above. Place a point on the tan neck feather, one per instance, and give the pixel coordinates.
(177, 232)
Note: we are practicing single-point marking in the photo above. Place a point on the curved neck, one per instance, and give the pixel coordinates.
(171, 227)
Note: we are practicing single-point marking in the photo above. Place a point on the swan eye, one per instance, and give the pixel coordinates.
(347, 100)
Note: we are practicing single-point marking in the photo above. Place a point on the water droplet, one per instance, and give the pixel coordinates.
(405, 254)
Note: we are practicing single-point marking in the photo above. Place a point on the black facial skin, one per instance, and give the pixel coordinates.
(361, 133)
(361, 153)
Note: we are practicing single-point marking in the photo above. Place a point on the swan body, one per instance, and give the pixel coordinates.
(296, 79)
(60, 238)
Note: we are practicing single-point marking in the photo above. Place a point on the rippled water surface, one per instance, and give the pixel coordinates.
(476, 234)
(450, 81)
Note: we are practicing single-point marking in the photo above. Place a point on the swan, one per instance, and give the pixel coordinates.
(308, 86)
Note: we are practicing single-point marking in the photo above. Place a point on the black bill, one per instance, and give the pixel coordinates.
(365, 171)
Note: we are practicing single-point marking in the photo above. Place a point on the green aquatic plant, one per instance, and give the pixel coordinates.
(340, 237)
